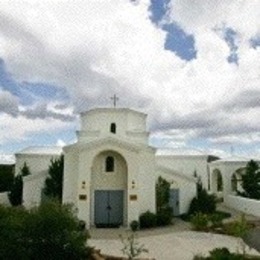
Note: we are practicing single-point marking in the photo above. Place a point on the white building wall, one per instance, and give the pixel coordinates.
(145, 182)
(226, 169)
(36, 162)
(33, 184)
(140, 178)
(130, 125)
(187, 189)
(70, 178)
(248, 206)
(187, 165)
(32, 189)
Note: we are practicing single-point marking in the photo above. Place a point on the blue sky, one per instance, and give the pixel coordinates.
(192, 66)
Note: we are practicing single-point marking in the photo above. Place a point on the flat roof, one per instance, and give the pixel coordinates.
(236, 159)
(53, 150)
(180, 152)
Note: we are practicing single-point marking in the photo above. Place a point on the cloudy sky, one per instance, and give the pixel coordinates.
(192, 65)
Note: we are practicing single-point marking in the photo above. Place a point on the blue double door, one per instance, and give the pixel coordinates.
(109, 208)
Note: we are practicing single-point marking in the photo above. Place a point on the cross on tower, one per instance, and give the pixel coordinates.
(115, 99)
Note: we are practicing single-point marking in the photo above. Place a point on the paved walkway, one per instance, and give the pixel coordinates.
(253, 237)
(167, 243)
(235, 214)
(183, 245)
(174, 242)
(113, 233)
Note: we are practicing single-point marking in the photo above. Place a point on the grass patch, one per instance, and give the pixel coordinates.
(221, 214)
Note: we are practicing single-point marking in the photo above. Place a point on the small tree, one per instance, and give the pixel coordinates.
(204, 202)
(16, 192)
(131, 247)
(162, 194)
(54, 183)
(6, 177)
(251, 180)
(163, 210)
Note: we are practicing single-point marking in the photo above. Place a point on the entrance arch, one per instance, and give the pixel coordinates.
(109, 189)
(236, 180)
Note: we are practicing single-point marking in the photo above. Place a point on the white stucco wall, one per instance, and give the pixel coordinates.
(95, 124)
(70, 177)
(140, 170)
(227, 169)
(187, 165)
(36, 162)
(248, 206)
(4, 200)
(187, 187)
(145, 182)
(32, 189)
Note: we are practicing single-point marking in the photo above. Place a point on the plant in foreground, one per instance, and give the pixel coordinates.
(200, 221)
(131, 247)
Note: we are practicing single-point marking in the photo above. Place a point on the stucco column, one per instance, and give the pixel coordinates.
(83, 198)
(132, 194)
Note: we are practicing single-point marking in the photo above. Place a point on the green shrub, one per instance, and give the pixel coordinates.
(162, 194)
(147, 220)
(12, 230)
(6, 177)
(216, 220)
(238, 228)
(204, 202)
(224, 254)
(16, 189)
(134, 225)
(200, 221)
(164, 217)
(50, 231)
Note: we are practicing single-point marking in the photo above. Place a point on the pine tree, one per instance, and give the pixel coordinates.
(16, 192)
(54, 183)
(251, 180)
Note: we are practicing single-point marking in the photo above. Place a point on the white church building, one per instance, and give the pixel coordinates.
(110, 173)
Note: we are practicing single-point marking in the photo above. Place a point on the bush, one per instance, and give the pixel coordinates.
(238, 228)
(164, 217)
(200, 221)
(216, 220)
(12, 230)
(147, 220)
(162, 194)
(6, 177)
(48, 232)
(54, 182)
(222, 254)
(134, 225)
(16, 189)
(205, 203)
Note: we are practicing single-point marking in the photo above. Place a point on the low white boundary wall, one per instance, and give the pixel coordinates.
(248, 206)
(4, 198)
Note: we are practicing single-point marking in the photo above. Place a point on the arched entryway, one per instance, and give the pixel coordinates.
(109, 190)
(236, 180)
(217, 182)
